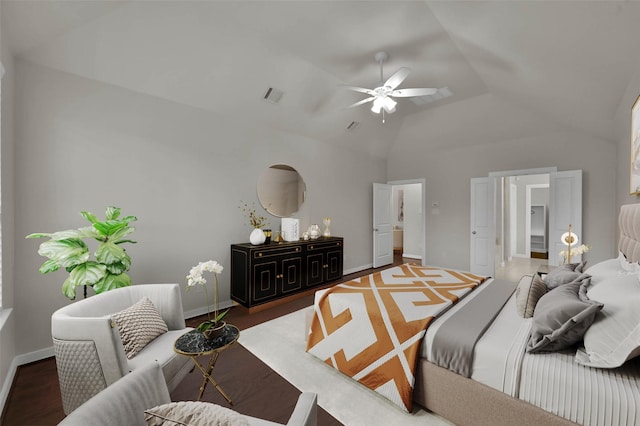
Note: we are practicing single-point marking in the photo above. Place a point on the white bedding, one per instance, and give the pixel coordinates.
(552, 381)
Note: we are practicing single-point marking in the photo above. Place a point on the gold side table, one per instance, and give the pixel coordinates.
(193, 344)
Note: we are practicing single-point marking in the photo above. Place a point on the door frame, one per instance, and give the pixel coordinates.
(527, 210)
(423, 183)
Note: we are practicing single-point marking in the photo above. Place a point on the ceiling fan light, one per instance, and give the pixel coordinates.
(389, 105)
(377, 106)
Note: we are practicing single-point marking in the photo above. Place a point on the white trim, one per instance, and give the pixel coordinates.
(538, 171)
(4, 316)
(8, 381)
(203, 310)
(411, 256)
(358, 269)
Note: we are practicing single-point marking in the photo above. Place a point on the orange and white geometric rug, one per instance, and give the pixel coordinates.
(371, 328)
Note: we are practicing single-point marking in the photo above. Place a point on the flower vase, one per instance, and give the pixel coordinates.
(215, 331)
(257, 237)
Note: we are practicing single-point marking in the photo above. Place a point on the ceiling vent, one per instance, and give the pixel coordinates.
(273, 95)
(353, 126)
(442, 93)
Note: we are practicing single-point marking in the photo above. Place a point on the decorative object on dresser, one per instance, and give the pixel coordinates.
(257, 222)
(326, 221)
(290, 229)
(212, 327)
(268, 273)
(67, 249)
(314, 232)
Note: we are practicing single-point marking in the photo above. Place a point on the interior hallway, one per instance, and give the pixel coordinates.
(517, 267)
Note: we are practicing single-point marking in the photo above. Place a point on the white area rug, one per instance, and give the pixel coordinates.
(280, 343)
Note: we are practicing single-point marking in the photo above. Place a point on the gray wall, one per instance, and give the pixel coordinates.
(448, 170)
(182, 171)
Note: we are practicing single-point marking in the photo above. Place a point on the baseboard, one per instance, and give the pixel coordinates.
(357, 269)
(411, 256)
(202, 311)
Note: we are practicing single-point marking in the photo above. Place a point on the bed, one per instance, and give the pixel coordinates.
(594, 381)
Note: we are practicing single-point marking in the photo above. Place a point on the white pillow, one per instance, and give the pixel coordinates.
(611, 268)
(138, 325)
(193, 413)
(614, 336)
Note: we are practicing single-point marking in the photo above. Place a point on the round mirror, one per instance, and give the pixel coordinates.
(281, 190)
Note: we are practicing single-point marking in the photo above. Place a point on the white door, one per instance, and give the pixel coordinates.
(482, 230)
(382, 225)
(565, 208)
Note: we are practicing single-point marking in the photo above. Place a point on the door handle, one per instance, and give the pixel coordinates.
(473, 232)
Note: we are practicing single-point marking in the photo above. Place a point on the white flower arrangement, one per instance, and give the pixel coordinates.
(574, 252)
(195, 277)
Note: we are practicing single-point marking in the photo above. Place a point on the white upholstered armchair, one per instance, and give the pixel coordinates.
(89, 352)
(125, 402)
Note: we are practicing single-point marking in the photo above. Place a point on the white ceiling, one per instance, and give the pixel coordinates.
(515, 67)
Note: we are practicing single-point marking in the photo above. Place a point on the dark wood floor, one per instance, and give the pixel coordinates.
(34, 398)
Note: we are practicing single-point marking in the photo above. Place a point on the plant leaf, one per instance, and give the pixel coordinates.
(109, 227)
(69, 289)
(109, 253)
(65, 252)
(49, 266)
(88, 273)
(89, 216)
(112, 213)
(120, 267)
(38, 235)
(121, 233)
(110, 282)
(129, 219)
(73, 234)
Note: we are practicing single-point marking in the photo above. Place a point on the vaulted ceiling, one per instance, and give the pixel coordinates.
(514, 67)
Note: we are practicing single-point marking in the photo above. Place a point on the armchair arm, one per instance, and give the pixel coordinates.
(305, 412)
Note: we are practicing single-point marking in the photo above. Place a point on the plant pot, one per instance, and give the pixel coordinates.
(257, 237)
(215, 331)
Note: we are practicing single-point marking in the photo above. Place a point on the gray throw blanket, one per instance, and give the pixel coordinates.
(455, 340)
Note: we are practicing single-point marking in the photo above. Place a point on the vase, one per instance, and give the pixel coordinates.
(257, 237)
(327, 227)
(215, 331)
(314, 232)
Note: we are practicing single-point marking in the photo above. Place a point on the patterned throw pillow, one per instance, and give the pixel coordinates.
(529, 291)
(139, 324)
(193, 413)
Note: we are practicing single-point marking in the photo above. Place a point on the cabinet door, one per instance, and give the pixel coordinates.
(291, 274)
(333, 268)
(315, 269)
(264, 281)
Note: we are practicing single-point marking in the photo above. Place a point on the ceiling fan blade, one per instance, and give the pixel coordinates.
(397, 78)
(361, 90)
(407, 93)
(364, 101)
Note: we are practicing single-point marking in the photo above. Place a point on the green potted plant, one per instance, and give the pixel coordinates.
(214, 326)
(67, 249)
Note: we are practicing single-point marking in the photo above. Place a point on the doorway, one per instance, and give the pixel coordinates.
(493, 246)
(398, 221)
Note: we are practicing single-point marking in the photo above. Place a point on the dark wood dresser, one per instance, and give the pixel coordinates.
(269, 272)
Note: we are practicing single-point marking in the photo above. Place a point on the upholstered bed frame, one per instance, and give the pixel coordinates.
(466, 402)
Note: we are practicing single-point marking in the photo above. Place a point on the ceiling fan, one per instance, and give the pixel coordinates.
(382, 96)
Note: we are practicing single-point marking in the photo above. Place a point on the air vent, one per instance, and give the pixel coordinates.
(442, 93)
(353, 126)
(273, 95)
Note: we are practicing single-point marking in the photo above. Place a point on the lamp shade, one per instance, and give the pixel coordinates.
(569, 239)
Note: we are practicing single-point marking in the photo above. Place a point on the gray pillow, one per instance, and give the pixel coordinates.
(563, 274)
(561, 317)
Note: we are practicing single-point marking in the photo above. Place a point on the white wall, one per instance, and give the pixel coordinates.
(448, 171)
(7, 314)
(84, 145)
